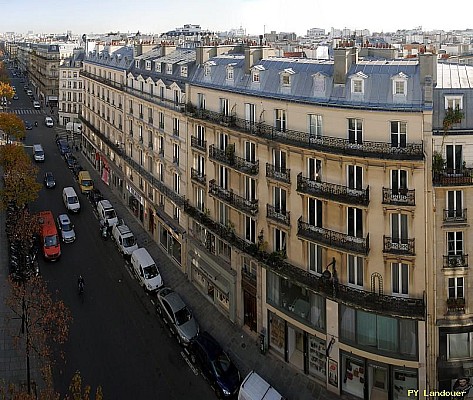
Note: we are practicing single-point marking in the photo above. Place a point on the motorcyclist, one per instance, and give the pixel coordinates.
(36, 123)
(81, 283)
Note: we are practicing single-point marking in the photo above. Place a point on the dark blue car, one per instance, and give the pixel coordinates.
(63, 147)
(215, 365)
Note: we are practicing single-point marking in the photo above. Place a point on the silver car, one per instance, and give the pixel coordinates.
(66, 228)
(177, 316)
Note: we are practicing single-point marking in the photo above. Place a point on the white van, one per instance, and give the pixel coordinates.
(254, 387)
(38, 153)
(124, 239)
(71, 200)
(107, 212)
(146, 270)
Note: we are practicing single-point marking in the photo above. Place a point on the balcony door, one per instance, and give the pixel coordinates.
(279, 161)
(314, 169)
(399, 229)
(355, 177)
(250, 152)
(455, 243)
(314, 212)
(355, 222)
(250, 115)
(398, 181)
(454, 203)
(355, 131)
(279, 199)
(454, 158)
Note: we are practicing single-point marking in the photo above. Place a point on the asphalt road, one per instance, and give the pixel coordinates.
(116, 339)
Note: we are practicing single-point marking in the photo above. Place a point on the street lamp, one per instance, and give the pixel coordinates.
(331, 277)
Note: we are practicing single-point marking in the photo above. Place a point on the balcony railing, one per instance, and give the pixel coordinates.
(334, 239)
(331, 191)
(135, 166)
(198, 176)
(399, 197)
(412, 151)
(278, 173)
(198, 144)
(170, 104)
(453, 177)
(103, 80)
(368, 300)
(455, 216)
(399, 246)
(456, 305)
(238, 202)
(283, 217)
(233, 161)
(455, 261)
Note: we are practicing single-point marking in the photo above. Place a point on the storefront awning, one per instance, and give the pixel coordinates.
(172, 224)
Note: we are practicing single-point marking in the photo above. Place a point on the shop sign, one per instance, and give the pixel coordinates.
(333, 372)
(134, 193)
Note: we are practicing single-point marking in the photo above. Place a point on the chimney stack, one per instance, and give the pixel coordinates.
(343, 58)
(428, 67)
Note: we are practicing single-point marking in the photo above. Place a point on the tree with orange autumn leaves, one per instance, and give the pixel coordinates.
(20, 185)
(12, 125)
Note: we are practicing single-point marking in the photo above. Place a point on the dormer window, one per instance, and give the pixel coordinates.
(285, 80)
(148, 65)
(286, 77)
(230, 73)
(158, 67)
(400, 86)
(206, 70)
(184, 71)
(255, 76)
(358, 84)
(169, 69)
(454, 102)
(137, 63)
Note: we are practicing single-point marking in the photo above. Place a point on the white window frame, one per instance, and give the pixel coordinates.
(169, 69)
(184, 71)
(357, 86)
(355, 269)
(314, 258)
(255, 77)
(229, 73)
(396, 277)
(137, 63)
(453, 101)
(457, 288)
(148, 65)
(250, 229)
(315, 126)
(399, 87)
(157, 66)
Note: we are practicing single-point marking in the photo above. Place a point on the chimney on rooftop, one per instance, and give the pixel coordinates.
(428, 67)
(343, 58)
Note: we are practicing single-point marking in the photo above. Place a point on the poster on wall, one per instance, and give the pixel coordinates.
(461, 387)
(333, 372)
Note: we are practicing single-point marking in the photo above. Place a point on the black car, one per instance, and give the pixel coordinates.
(95, 196)
(71, 161)
(28, 125)
(215, 365)
(49, 180)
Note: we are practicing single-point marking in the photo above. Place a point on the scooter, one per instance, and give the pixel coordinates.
(104, 231)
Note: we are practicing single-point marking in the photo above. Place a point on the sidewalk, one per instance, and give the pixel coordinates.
(242, 348)
(12, 360)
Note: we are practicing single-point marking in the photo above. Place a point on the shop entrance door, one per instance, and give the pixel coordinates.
(377, 382)
(249, 307)
(295, 342)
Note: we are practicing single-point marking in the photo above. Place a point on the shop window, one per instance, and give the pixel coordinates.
(354, 376)
(176, 249)
(317, 356)
(222, 299)
(276, 333)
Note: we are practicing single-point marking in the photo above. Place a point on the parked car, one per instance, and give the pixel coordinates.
(145, 270)
(71, 200)
(63, 146)
(66, 228)
(107, 213)
(254, 387)
(71, 161)
(215, 365)
(28, 125)
(125, 240)
(177, 315)
(36, 105)
(48, 121)
(49, 180)
(95, 196)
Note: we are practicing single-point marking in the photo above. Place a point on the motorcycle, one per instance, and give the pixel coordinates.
(104, 231)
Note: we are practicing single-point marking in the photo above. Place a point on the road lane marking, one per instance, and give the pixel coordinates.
(189, 363)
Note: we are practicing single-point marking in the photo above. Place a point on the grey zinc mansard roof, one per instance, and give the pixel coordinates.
(120, 58)
(377, 91)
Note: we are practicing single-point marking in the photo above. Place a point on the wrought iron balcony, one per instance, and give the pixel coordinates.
(455, 216)
(399, 246)
(368, 300)
(334, 145)
(453, 177)
(238, 202)
(170, 104)
(455, 261)
(280, 174)
(103, 80)
(334, 239)
(456, 305)
(283, 217)
(233, 161)
(198, 144)
(331, 191)
(399, 197)
(198, 176)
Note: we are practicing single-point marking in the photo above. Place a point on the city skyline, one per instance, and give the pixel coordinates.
(255, 16)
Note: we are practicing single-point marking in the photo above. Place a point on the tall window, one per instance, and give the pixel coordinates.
(222, 141)
(250, 229)
(224, 107)
(400, 279)
(399, 228)
(223, 177)
(161, 92)
(279, 200)
(456, 288)
(200, 198)
(250, 115)
(398, 181)
(455, 203)
(175, 126)
(398, 133)
(279, 240)
(355, 131)
(314, 258)
(250, 188)
(454, 158)
(177, 182)
(314, 169)
(314, 212)
(199, 164)
(250, 151)
(223, 213)
(279, 160)
(175, 153)
(281, 120)
(315, 125)
(455, 243)
(161, 120)
(355, 177)
(355, 270)
(201, 101)
(200, 134)
(355, 222)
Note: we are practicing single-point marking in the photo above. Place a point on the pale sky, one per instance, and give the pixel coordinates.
(256, 16)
